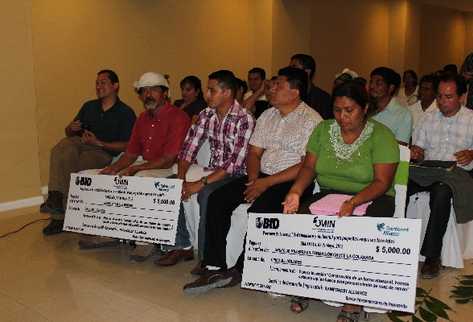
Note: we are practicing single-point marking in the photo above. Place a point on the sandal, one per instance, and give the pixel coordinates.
(299, 304)
(345, 316)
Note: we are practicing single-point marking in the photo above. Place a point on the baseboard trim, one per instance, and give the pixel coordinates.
(21, 203)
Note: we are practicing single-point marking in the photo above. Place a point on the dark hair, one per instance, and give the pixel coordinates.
(451, 68)
(389, 76)
(194, 82)
(412, 73)
(296, 78)
(110, 75)
(307, 62)
(259, 71)
(226, 79)
(361, 80)
(457, 79)
(241, 84)
(354, 90)
(430, 78)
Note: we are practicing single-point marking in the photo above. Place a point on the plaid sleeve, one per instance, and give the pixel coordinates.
(235, 164)
(420, 134)
(195, 137)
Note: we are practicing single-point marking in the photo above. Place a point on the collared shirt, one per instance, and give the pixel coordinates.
(112, 125)
(228, 139)
(250, 92)
(405, 100)
(284, 138)
(441, 136)
(417, 112)
(160, 134)
(398, 119)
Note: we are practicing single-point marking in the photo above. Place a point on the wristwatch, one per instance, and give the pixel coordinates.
(204, 180)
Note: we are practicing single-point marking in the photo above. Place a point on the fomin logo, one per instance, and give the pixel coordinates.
(267, 223)
(324, 223)
(119, 181)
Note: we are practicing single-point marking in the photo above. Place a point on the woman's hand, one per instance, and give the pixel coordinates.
(347, 208)
(291, 203)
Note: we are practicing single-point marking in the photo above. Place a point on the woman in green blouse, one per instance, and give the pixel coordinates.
(351, 154)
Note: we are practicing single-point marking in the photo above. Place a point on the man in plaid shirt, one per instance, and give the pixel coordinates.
(228, 128)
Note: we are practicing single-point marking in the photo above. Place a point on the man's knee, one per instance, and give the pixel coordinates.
(441, 191)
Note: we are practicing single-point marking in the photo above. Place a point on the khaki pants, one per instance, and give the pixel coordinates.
(70, 155)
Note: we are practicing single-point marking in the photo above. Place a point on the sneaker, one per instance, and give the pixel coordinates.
(54, 227)
(175, 256)
(143, 252)
(431, 268)
(209, 281)
(93, 242)
(199, 269)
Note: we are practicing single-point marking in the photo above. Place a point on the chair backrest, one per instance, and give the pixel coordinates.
(203, 156)
(400, 182)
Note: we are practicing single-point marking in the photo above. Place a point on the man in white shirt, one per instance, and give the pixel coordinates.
(426, 103)
(443, 135)
(255, 94)
(277, 148)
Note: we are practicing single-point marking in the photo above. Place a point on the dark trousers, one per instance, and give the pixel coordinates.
(440, 196)
(383, 206)
(220, 207)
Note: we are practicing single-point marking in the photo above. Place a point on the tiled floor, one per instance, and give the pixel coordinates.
(50, 279)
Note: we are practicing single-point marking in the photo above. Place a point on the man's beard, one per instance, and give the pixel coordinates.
(150, 104)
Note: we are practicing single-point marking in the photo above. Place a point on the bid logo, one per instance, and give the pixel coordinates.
(267, 223)
(83, 181)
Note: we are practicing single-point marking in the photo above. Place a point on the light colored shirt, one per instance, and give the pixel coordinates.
(250, 92)
(405, 100)
(417, 112)
(441, 136)
(398, 119)
(228, 139)
(284, 139)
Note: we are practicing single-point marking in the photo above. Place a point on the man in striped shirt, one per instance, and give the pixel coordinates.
(228, 128)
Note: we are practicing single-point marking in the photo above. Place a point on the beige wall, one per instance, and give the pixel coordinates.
(442, 38)
(53, 49)
(18, 133)
(131, 37)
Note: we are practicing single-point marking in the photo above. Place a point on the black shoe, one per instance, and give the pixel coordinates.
(54, 227)
(431, 268)
(45, 208)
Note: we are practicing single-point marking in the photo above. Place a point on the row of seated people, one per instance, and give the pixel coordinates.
(270, 163)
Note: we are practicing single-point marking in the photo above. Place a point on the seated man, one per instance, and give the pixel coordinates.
(443, 135)
(276, 150)
(255, 100)
(157, 136)
(315, 97)
(99, 131)
(426, 103)
(228, 128)
(384, 83)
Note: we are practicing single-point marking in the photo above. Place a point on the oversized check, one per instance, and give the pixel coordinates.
(360, 260)
(133, 208)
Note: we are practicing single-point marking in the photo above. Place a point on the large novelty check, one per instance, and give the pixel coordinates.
(133, 208)
(359, 260)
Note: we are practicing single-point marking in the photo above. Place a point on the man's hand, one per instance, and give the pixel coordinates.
(254, 189)
(291, 203)
(108, 170)
(189, 188)
(129, 171)
(417, 153)
(75, 126)
(464, 157)
(90, 138)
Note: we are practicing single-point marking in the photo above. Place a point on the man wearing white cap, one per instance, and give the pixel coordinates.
(157, 136)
